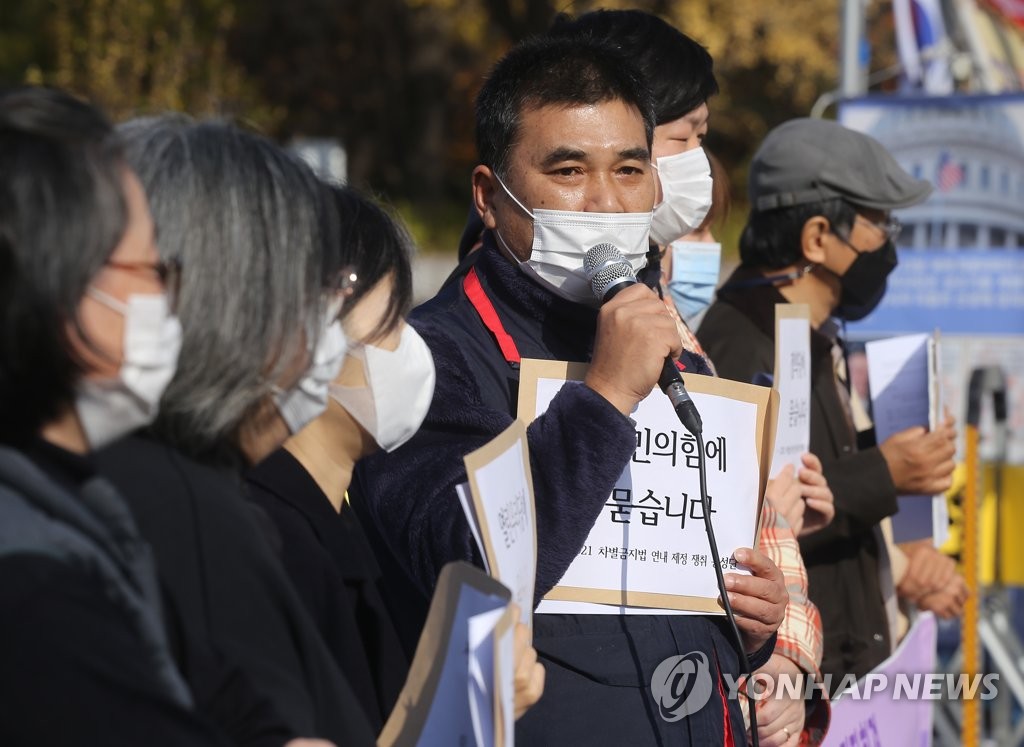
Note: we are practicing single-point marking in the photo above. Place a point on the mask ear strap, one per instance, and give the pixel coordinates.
(769, 279)
(107, 300)
(509, 193)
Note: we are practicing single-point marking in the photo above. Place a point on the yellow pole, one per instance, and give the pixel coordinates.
(970, 727)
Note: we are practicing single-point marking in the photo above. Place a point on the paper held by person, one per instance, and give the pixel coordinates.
(503, 516)
(460, 688)
(648, 548)
(904, 384)
(792, 380)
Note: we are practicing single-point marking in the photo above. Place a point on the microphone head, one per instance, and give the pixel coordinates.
(606, 267)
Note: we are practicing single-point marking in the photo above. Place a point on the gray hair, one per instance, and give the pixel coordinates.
(248, 222)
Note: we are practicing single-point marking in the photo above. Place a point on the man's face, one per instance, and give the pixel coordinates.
(590, 158)
(680, 135)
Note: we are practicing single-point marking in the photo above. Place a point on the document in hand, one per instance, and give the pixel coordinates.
(648, 548)
(792, 381)
(904, 383)
(460, 688)
(501, 513)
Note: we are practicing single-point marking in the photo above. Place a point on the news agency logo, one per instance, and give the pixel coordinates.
(681, 685)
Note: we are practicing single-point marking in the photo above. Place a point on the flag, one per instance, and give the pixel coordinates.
(1011, 10)
(949, 175)
(923, 44)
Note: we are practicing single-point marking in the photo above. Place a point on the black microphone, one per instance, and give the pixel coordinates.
(609, 273)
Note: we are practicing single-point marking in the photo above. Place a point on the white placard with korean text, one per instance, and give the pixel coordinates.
(792, 380)
(648, 547)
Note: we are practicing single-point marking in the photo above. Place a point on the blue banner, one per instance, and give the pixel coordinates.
(962, 251)
(977, 291)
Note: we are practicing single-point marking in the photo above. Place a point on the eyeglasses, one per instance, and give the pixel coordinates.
(890, 226)
(168, 272)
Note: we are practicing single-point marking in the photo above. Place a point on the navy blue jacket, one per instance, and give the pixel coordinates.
(598, 667)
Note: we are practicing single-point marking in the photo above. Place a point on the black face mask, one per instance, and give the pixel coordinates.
(863, 284)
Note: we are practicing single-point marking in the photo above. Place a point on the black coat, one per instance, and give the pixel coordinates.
(332, 566)
(842, 560)
(599, 668)
(84, 658)
(217, 564)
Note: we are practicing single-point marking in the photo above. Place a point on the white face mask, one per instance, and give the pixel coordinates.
(111, 408)
(561, 238)
(686, 195)
(695, 267)
(399, 388)
(307, 400)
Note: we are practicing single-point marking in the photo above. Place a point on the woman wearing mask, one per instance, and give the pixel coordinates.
(259, 316)
(90, 341)
(378, 401)
(690, 264)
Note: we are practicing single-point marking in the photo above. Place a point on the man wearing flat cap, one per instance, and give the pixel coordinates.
(820, 232)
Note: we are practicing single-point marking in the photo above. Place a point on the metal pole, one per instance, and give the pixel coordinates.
(852, 78)
(970, 727)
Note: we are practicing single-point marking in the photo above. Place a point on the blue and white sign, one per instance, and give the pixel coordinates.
(962, 251)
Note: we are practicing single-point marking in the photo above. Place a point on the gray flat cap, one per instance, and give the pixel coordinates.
(810, 160)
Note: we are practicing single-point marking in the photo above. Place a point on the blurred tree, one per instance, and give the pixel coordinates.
(22, 37)
(387, 78)
(772, 59)
(395, 80)
(135, 57)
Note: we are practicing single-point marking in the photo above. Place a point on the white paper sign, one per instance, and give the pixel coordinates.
(905, 393)
(558, 607)
(651, 537)
(499, 479)
(793, 382)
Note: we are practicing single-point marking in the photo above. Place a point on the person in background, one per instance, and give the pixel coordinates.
(89, 343)
(820, 232)
(261, 340)
(690, 265)
(378, 401)
(693, 192)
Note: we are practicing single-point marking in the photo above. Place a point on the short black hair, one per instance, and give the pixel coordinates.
(678, 69)
(374, 244)
(560, 71)
(62, 213)
(772, 238)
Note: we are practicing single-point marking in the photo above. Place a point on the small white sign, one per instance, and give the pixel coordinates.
(502, 492)
(793, 383)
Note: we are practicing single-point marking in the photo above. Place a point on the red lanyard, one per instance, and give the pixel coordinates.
(478, 297)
